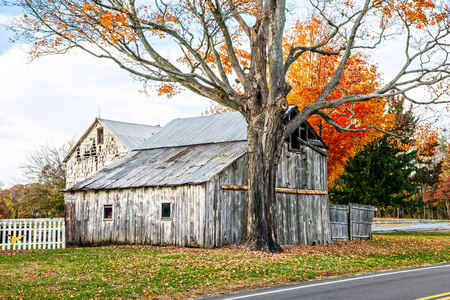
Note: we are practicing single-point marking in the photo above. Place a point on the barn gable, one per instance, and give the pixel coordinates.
(104, 142)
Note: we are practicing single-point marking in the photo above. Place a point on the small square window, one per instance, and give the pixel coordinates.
(165, 210)
(107, 212)
(100, 136)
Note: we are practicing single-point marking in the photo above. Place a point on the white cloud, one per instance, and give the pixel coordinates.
(55, 98)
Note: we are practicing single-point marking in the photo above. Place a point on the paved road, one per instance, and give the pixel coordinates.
(415, 226)
(424, 283)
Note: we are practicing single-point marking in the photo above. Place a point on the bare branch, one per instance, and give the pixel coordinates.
(341, 129)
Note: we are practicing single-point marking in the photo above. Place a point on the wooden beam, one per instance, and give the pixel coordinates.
(301, 192)
(234, 187)
(277, 190)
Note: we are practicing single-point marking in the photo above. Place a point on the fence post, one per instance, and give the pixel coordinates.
(350, 227)
(3, 234)
(39, 232)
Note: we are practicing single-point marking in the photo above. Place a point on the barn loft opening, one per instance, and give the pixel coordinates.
(100, 136)
(303, 135)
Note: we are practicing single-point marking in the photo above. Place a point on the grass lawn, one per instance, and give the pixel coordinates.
(142, 272)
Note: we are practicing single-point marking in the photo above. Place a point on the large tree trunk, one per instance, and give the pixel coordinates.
(264, 111)
(264, 135)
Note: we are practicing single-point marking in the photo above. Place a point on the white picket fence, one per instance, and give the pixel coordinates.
(36, 234)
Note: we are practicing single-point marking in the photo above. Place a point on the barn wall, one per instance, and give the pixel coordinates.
(136, 217)
(303, 169)
(90, 157)
(229, 207)
(300, 219)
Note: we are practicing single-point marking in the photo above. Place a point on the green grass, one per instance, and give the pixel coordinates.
(142, 272)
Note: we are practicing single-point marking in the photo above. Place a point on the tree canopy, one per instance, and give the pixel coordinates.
(309, 75)
(231, 51)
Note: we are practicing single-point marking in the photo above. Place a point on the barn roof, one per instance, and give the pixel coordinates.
(165, 166)
(185, 151)
(130, 134)
(229, 127)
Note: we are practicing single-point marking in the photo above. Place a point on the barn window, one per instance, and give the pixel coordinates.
(107, 212)
(165, 211)
(100, 136)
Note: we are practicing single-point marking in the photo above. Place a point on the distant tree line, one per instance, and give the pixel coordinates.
(41, 197)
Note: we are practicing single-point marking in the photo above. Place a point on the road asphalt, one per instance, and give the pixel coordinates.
(423, 283)
(409, 226)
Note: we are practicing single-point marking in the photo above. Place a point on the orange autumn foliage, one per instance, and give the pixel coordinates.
(420, 13)
(215, 108)
(168, 89)
(427, 139)
(310, 74)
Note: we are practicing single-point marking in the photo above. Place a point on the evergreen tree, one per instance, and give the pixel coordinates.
(379, 175)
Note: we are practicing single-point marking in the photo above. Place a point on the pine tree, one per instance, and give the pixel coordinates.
(379, 175)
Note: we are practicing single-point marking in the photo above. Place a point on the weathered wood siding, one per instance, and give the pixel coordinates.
(229, 205)
(361, 219)
(339, 222)
(90, 157)
(136, 217)
(303, 169)
(300, 219)
(351, 222)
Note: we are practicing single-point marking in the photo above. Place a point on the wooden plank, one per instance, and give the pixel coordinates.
(300, 192)
(282, 219)
(294, 219)
(209, 196)
(301, 219)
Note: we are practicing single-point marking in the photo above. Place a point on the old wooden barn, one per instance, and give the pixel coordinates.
(186, 186)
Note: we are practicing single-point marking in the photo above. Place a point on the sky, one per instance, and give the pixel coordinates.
(55, 98)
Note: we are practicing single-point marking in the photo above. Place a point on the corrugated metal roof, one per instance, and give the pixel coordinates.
(164, 167)
(209, 129)
(130, 134)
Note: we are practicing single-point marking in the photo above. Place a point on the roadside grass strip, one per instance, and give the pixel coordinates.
(143, 272)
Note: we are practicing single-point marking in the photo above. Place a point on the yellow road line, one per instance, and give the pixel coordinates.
(435, 296)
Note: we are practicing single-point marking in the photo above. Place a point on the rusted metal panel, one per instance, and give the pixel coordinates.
(70, 219)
